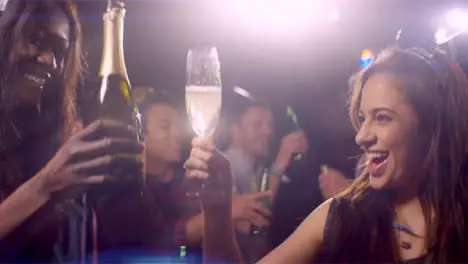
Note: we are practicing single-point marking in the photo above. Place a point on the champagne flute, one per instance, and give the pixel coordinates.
(203, 94)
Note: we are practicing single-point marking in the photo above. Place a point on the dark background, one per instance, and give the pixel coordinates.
(309, 71)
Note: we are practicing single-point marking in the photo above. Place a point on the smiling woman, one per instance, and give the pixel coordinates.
(40, 57)
(409, 204)
(388, 132)
(409, 108)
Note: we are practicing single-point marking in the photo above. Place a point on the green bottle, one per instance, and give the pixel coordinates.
(293, 117)
(264, 201)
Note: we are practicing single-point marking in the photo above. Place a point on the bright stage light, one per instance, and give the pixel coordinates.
(442, 36)
(456, 23)
(457, 19)
(283, 15)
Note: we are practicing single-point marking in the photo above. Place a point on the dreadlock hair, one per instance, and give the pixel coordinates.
(18, 15)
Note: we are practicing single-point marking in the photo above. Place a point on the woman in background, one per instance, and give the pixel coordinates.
(408, 206)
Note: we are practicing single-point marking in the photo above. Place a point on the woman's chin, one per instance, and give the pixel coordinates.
(379, 182)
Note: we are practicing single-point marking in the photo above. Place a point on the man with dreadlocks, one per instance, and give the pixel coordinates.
(41, 163)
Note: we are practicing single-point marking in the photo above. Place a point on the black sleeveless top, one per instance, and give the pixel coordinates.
(326, 250)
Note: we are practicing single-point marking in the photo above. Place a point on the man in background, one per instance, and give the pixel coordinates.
(163, 219)
(181, 221)
(249, 152)
(164, 139)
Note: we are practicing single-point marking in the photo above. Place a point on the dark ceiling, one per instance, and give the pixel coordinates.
(158, 33)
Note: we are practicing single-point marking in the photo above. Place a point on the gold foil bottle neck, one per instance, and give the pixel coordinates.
(113, 61)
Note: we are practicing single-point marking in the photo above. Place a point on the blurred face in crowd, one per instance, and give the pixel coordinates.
(254, 131)
(164, 134)
(388, 132)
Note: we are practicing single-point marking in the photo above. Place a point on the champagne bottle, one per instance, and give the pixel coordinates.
(115, 96)
(295, 126)
(264, 201)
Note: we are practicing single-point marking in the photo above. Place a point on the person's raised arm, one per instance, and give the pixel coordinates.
(304, 244)
(194, 229)
(294, 142)
(207, 164)
(21, 204)
(64, 173)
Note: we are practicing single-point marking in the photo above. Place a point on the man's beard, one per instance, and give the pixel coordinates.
(22, 118)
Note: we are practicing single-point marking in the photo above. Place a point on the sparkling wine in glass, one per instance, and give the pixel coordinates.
(203, 94)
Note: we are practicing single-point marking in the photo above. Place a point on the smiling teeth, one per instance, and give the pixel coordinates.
(372, 156)
(35, 79)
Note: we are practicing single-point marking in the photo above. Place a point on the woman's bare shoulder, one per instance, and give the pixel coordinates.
(317, 220)
(305, 242)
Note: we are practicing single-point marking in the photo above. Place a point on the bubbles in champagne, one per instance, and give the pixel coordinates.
(203, 108)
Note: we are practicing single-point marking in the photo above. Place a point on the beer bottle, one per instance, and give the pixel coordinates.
(265, 201)
(294, 127)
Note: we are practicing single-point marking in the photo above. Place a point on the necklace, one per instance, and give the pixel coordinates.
(404, 244)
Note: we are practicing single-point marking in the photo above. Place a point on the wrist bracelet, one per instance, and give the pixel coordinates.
(280, 173)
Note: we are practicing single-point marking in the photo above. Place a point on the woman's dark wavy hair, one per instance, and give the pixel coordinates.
(437, 89)
(13, 21)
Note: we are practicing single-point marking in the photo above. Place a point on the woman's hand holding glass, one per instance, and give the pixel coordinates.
(207, 163)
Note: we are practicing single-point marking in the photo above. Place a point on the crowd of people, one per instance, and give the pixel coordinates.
(407, 204)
